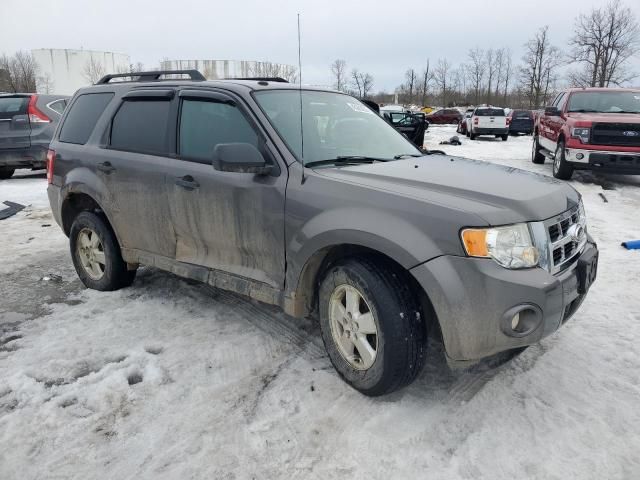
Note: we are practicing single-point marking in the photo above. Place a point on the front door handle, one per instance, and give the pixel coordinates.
(106, 167)
(187, 182)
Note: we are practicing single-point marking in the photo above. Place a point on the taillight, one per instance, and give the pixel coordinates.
(35, 115)
(508, 121)
(51, 158)
(475, 121)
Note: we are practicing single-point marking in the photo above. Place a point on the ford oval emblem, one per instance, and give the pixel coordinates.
(630, 133)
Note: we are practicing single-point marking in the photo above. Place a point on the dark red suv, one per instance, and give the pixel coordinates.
(445, 116)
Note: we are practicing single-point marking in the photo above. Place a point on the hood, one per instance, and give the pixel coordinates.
(605, 117)
(500, 195)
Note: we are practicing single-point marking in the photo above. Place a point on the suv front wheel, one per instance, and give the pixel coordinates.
(371, 326)
(6, 172)
(96, 254)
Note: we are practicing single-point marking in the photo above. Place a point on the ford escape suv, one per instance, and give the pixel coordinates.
(306, 199)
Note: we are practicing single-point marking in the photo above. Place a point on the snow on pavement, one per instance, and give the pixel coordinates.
(171, 379)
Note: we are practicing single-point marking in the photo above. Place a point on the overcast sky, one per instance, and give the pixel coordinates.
(383, 38)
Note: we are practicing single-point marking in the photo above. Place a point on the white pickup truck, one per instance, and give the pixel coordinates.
(488, 121)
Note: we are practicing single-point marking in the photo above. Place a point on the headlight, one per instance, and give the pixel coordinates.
(510, 246)
(581, 133)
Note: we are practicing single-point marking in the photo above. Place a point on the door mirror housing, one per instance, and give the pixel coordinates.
(552, 111)
(239, 158)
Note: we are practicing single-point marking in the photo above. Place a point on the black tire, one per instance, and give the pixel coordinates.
(536, 156)
(505, 137)
(6, 173)
(459, 129)
(401, 332)
(115, 273)
(472, 136)
(562, 169)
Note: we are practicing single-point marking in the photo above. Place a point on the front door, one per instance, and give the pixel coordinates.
(227, 221)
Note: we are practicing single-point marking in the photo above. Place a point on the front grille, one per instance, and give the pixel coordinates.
(565, 247)
(624, 134)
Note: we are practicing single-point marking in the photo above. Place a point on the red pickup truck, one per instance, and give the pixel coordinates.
(590, 129)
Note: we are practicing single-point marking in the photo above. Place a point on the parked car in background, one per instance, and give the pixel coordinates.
(590, 129)
(463, 124)
(445, 116)
(488, 121)
(27, 123)
(344, 220)
(520, 121)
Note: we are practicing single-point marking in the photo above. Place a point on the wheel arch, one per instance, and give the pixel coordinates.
(303, 299)
(81, 200)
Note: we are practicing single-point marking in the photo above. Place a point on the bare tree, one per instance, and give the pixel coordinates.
(20, 72)
(339, 74)
(93, 70)
(476, 70)
(508, 67)
(441, 75)
(366, 80)
(271, 70)
(45, 84)
(427, 76)
(410, 86)
(499, 62)
(491, 73)
(602, 43)
(538, 70)
(356, 82)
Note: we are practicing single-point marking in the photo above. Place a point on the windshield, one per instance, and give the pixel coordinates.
(522, 114)
(334, 125)
(605, 102)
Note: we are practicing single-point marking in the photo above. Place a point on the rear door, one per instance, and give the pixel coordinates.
(15, 130)
(133, 165)
(227, 221)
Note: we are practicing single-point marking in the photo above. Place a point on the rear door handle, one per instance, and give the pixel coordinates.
(106, 167)
(187, 182)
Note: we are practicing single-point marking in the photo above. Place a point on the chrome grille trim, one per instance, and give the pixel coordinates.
(562, 247)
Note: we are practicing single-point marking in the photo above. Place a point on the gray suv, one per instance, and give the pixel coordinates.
(306, 199)
(27, 123)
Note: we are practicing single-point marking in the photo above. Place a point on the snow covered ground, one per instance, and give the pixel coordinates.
(169, 379)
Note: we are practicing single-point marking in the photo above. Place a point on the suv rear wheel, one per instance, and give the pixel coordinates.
(561, 168)
(6, 172)
(371, 326)
(536, 156)
(96, 254)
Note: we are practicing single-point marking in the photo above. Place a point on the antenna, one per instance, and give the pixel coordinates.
(300, 92)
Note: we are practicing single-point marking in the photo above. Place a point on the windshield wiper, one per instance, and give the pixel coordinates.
(407, 155)
(346, 160)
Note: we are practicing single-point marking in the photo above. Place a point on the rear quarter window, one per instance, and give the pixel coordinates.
(82, 118)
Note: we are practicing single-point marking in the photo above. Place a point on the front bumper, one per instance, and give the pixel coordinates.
(471, 297)
(620, 162)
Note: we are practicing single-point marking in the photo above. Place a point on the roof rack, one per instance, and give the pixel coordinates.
(195, 75)
(261, 79)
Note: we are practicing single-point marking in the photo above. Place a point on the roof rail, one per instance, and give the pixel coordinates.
(155, 75)
(261, 79)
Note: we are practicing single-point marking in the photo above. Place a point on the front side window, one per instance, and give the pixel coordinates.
(205, 124)
(605, 102)
(334, 125)
(141, 126)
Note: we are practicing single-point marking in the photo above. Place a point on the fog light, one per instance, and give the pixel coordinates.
(579, 156)
(515, 321)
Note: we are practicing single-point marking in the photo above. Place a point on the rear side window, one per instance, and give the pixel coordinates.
(203, 125)
(141, 126)
(489, 112)
(10, 106)
(82, 118)
(58, 106)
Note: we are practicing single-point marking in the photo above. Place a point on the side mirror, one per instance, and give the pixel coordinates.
(552, 111)
(239, 158)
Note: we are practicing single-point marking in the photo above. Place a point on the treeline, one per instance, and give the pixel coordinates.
(597, 55)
